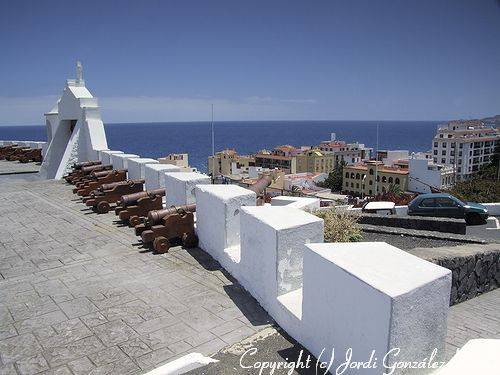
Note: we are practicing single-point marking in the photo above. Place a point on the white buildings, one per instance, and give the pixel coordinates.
(424, 174)
(465, 144)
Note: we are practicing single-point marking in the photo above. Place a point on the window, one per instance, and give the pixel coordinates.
(461, 145)
(435, 144)
(357, 185)
(370, 192)
(429, 202)
(371, 172)
(397, 181)
(352, 175)
(370, 182)
(435, 152)
(347, 184)
(347, 175)
(443, 144)
(384, 179)
(358, 176)
(443, 161)
(444, 202)
(391, 180)
(443, 153)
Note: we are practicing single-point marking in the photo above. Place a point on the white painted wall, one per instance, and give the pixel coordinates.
(136, 167)
(373, 296)
(218, 212)
(105, 156)
(154, 174)
(303, 203)
(66, 145)
(180, 186)
(120, 161)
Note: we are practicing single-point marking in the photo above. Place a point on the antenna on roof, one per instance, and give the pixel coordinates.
(79, 72)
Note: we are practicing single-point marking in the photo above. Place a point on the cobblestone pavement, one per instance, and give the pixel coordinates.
(10, 167)
(473, 319)
(79, 295)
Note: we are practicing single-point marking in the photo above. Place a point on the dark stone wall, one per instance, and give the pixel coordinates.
(475, 268)
(438, 224)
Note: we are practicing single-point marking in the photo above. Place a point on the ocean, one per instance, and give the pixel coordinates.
(159, 139)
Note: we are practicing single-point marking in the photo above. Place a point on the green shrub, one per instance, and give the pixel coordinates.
(340, 226)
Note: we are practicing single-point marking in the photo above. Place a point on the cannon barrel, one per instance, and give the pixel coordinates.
(90, 163)
(98, 174)
(96, 168)
(154, 217)
(113, 184)
(261, 184)
(130, 199)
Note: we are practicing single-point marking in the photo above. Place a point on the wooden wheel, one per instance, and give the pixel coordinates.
(189, 240)
(134, 220)
(103, 207)
(161, 245)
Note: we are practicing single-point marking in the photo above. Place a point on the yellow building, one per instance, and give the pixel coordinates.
(315, 161)
(180, 160)
(221, 164)
(373, 177)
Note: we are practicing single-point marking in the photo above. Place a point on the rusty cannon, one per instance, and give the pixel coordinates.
(85, 174)
(33, 154)
(17, 153)
(7, 150)
(99, 179)
(169, 227)
(76, 169)
(105, 196)
(134, 207)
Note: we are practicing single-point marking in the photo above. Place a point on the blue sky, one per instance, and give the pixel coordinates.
(255, 60)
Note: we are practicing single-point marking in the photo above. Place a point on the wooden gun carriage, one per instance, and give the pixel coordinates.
(108, 194)
(134, 207)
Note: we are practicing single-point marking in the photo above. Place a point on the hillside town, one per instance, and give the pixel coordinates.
(459, 150)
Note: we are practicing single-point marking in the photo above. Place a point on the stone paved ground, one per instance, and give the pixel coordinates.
(9, 167)
(473, 319)
(79, 295)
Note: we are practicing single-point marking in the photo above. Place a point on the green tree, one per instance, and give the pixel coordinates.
(335, 178)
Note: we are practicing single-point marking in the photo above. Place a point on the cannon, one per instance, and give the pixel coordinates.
(108, 194)
(99, 179)
(6, 151)
(16, 153)
(84, 173)
(135, 206)
(170, 226)
(34, 154)
(77, 169)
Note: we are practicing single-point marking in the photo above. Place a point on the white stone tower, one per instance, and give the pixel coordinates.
(75, 131)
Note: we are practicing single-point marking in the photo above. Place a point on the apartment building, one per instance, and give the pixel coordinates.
(351, 153)
(225, 162)
(281, 157)
(315, 161)
(373, 177)
(180, 160)
(425, 176)
(466, 145)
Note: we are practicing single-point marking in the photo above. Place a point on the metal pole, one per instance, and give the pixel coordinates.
(213, 135)
(376, 165)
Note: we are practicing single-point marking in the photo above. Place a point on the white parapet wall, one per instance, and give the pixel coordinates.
(372, 296)
(303, 203)
(218, 212)
(105, 156)
(272, 246)
(136, 167)
(181, 186)
(155, 175)
(120, 161)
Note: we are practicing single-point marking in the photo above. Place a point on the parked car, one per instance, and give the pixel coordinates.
(446, 205)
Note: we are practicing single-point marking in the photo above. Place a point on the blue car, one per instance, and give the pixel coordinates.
(446, 205)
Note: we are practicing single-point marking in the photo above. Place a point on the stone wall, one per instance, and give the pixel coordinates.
(440, 224)
(475, 268)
